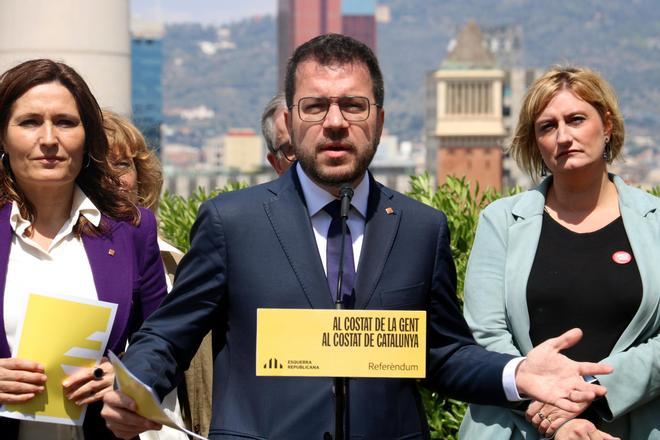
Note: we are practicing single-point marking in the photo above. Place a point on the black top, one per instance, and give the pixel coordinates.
(586, 280)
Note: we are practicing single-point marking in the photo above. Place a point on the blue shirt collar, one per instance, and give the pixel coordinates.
(317, 197)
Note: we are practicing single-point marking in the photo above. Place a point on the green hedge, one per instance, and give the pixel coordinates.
(462, 206)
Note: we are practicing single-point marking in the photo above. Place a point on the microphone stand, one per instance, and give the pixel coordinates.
(341, 383)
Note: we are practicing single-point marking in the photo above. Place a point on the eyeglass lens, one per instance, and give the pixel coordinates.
(314, 109)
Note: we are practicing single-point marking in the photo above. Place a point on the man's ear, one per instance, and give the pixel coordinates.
(380, 121)
(277, 166)
(288, 121)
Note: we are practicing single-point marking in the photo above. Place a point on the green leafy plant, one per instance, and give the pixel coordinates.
(443, 415)
(177, 214)
(462, 205)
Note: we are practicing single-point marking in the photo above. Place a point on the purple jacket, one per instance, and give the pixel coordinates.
(127, 271)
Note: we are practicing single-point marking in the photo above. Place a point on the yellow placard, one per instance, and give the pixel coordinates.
(63, 334)
(341, 343)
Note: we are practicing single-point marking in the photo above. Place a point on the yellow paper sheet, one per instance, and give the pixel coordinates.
(63, 334)
(341, 343)
(145, 398)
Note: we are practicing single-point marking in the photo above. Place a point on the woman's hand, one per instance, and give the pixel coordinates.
(84, 387)
(20, 380)
(547, 418)
(578, 429)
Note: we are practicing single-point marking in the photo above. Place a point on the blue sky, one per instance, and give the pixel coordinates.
(204, 11)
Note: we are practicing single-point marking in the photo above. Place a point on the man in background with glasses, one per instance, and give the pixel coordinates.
(270, 246)
(273, 127)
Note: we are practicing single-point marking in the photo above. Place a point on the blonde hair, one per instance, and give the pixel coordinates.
(123, 135)
(584, 83)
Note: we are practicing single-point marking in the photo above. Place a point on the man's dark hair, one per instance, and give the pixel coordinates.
(332, 49)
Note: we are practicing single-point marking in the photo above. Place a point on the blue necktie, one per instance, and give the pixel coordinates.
(333, 254)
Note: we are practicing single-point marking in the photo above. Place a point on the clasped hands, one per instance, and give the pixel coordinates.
(561, 394)
(21, 380)
(552, 422)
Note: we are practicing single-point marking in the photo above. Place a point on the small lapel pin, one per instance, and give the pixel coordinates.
(389, 211)
(111, 252)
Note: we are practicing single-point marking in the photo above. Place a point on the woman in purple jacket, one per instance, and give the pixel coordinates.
(65, 227)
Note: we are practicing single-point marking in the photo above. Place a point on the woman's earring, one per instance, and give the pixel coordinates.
(88, 161)
(607, 151)
(544, 169)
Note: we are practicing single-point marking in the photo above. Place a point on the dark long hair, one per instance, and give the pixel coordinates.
(96, 178)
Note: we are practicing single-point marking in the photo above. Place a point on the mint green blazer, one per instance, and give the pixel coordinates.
(496, 310)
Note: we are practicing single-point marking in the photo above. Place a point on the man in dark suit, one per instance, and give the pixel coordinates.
(267, 246)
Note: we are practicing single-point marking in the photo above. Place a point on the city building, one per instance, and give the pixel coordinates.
(239, 150)
(146, 79)
(91, 36)
(301, 20)
(464, 119)
(505, 42)
(359, 21)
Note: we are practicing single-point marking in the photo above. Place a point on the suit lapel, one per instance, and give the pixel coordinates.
(380, 228)
(5, 246)
(640, 223)
(523, 239)
(290, 221)
(110, 259)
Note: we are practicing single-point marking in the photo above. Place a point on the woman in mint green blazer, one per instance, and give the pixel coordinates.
(570, 125)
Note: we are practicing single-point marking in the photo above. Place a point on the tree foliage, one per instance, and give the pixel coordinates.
(462, 206)
(177, 214)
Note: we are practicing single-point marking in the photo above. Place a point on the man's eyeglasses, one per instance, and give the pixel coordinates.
(315, 108)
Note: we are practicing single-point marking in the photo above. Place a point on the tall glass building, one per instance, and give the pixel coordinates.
(146, 80)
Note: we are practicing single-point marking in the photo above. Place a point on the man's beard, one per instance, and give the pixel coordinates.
(357, 169)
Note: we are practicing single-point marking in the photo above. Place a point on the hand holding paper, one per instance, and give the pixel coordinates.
(62, 350)
(121, 417)
(82, 387)
(136, 407)
(20, 380)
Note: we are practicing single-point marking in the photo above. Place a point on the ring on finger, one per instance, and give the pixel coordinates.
(541, 416)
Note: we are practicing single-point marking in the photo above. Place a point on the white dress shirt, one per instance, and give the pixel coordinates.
(316, 199)
(61, 269)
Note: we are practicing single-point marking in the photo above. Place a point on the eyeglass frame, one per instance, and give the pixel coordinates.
(334, 100)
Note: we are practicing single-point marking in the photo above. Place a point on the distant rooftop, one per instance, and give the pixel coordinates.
(147, 29)
(241, 132)
(470, 51)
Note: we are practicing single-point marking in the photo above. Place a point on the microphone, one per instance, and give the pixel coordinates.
(341, 383)
(345, 195)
